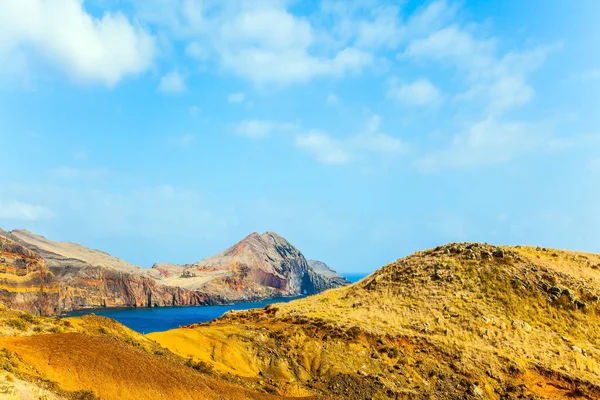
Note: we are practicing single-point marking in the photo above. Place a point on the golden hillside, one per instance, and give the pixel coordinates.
(459, 321)
(88, 358)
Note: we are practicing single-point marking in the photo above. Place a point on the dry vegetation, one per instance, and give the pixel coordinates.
(458, 321)
(91, 357)
(463, 321)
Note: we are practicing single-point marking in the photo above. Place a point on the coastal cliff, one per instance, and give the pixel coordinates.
(75, 277)
(26, 283)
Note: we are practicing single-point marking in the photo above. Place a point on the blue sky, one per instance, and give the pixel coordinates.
(360, 130)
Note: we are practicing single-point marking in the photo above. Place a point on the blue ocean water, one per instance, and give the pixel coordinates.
(147, 320)
(355, 277)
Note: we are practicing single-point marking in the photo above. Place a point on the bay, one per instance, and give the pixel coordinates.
(155, 319)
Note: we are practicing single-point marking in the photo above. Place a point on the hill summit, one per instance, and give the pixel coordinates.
(464, 320)
(258, 266)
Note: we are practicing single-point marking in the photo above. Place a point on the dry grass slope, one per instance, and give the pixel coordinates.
(459, 321)
(92, 357)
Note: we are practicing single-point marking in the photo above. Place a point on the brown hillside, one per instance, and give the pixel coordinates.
(459, 321)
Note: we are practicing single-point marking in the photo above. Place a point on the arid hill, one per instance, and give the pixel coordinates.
(92, 358)
(462, 321)
(258, 267)
(91, 278)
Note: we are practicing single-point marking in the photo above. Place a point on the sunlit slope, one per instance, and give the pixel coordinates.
(459, 321)
(97, 358)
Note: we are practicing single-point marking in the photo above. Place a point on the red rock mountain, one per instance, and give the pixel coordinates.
(260, 266)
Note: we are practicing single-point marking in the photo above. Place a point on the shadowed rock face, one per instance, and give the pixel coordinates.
(26, 283)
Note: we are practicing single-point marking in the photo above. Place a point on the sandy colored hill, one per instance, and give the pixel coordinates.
(468, 321)
(92, 357)
(56, 252)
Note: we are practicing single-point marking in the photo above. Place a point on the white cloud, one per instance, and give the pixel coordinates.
(454, 45)
(487, 142)
(329, 150)
(260, 129)
(236, 97)
(259, 41)
(104, 50)
(495, 83)
(270, 46)
(16, 210)
(326, 149)
(172, 83)
(499, 80)
(418, 93)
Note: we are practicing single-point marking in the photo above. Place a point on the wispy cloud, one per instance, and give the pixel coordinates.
(485, 143)
(338, 151)
(418, 93)
(260, 129)
(16, 210)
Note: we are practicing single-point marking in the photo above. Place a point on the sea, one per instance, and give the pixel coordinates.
(156, 319)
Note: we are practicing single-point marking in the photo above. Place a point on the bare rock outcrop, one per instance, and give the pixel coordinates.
(26, 283)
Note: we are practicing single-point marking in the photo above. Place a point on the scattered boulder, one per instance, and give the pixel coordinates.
(524, 326)
(498, 253)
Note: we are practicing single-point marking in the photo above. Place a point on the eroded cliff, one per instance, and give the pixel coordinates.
(26, 283)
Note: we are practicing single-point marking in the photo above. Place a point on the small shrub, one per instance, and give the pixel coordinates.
(38, 329)
(27, 317)
(17, 324)
(199, 366)
(7, 360)
(160, 353)
(85, 394)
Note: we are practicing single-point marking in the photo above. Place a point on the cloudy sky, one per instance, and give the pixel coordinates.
(361, 130)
